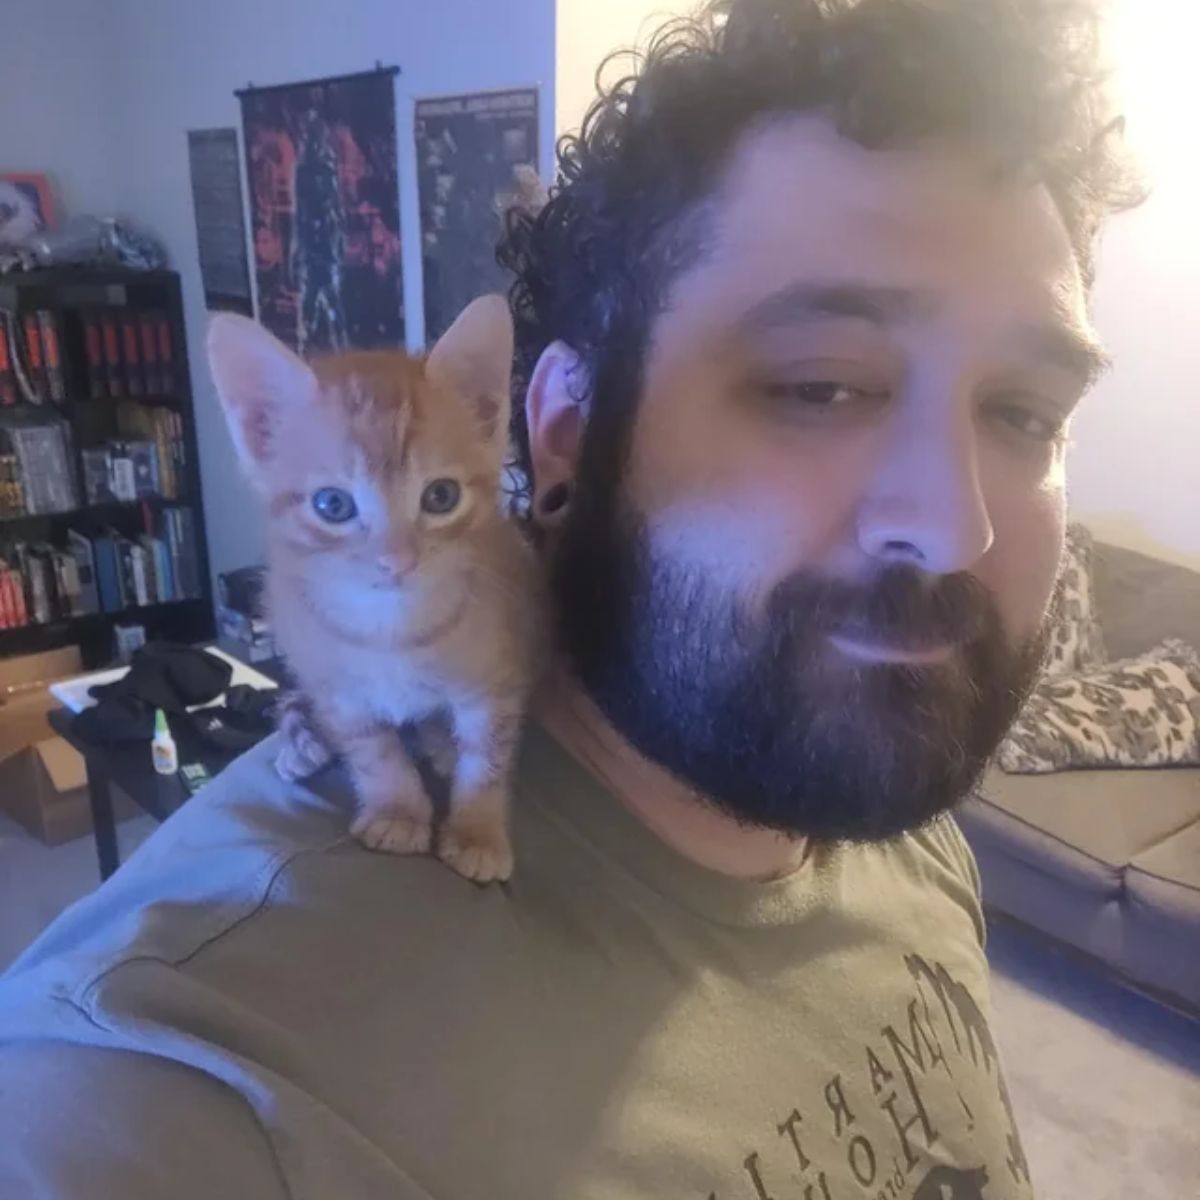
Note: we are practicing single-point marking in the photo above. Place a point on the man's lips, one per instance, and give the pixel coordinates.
(874, 650)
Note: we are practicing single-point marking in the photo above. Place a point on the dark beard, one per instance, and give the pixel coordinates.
(756, 710)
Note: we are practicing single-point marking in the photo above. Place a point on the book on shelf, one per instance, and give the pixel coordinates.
(143, 578)
(13, 610)
(85, 569)
(109, 571)
(97, 486)
(131, 345)
(8, 377)
(31, 359)
(129, 352)
(129, 590)
(148, 329)
(110, 345)
(108, 574)
(160, 558)
(12, 490)
(34, 367)
(120, 479)
(23, 372)
(136, 469)
(166, 353)
(182, 536)
(43, 455)
(56, 384)
(94, 353)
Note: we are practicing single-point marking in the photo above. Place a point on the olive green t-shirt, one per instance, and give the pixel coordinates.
(257, 1006)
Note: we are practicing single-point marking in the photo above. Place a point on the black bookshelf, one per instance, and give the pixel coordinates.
(74, 296)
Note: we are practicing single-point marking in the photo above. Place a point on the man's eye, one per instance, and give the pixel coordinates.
(1028, 422)
(817, 395)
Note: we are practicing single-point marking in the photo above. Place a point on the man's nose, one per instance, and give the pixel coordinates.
(925, 504)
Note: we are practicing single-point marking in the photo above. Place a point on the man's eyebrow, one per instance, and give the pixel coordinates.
(1069, 347)
(1060, 343)
(800, 302)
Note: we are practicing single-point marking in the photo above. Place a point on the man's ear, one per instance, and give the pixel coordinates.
(474, 358)
(260, 383)
(555, 413)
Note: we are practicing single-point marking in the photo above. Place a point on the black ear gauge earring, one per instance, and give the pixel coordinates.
(553, 503)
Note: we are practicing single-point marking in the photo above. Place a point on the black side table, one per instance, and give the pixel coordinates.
(129, 767)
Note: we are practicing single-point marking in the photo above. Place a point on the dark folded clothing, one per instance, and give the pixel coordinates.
(161, 675)
(246, 717)
(171, 677)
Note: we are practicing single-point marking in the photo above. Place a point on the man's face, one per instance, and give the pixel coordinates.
(818, 588)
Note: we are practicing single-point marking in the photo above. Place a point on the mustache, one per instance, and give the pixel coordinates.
(901, 607)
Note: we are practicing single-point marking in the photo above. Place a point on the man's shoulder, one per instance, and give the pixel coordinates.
(207, 867)
(939, 852)
(247, 849)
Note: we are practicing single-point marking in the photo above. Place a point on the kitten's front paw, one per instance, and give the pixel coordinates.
(393, 832)
(301, 752)
(477, 850)
(297, 760)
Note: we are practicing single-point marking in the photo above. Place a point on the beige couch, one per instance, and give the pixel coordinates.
(1107, 861)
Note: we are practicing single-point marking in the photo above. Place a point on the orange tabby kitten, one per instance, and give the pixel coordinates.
(396, 588)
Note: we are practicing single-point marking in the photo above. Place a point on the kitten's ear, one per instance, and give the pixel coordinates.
(259, 381)
(474, 357)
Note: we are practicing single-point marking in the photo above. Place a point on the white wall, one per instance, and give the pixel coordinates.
(179, 64)
(585, 33)
(1135, 469)
(55, 116)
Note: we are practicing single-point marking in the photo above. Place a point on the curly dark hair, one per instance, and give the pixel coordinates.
(1018, 82)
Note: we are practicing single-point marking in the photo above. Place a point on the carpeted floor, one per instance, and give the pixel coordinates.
(37, 882)
(1105, 1083)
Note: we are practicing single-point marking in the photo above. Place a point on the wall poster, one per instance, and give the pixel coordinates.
(325, 211)
(220, 219)
(476, 155)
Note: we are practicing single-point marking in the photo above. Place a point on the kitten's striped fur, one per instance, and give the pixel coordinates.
(397, 614)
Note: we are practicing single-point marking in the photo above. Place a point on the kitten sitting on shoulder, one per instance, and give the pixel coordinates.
(396, 588)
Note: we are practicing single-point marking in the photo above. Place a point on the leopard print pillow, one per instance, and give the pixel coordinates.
(1076, 642)
(1141, 712)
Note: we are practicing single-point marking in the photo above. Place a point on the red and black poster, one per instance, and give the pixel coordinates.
(325, 211)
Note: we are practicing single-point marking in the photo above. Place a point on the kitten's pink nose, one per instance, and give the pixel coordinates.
(395, 564)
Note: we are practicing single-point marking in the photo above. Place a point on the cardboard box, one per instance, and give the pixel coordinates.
(43, 779)
(44, 789)
(25, 697)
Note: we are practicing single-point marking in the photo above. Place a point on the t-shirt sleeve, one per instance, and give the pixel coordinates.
(89, 1123)
(964, 859)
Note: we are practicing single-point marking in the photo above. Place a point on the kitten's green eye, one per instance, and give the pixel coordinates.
(334, 505)
(441, 497)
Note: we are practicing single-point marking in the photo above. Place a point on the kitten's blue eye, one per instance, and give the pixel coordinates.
(334, 505)
(441, 497)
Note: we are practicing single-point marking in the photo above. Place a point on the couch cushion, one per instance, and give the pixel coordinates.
(1109, 817)
(1140, 712)
(1162, 888)
(1076, 639)
(1142, 600)
(1052, 852)
(1168, 873)
(1043, 880)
